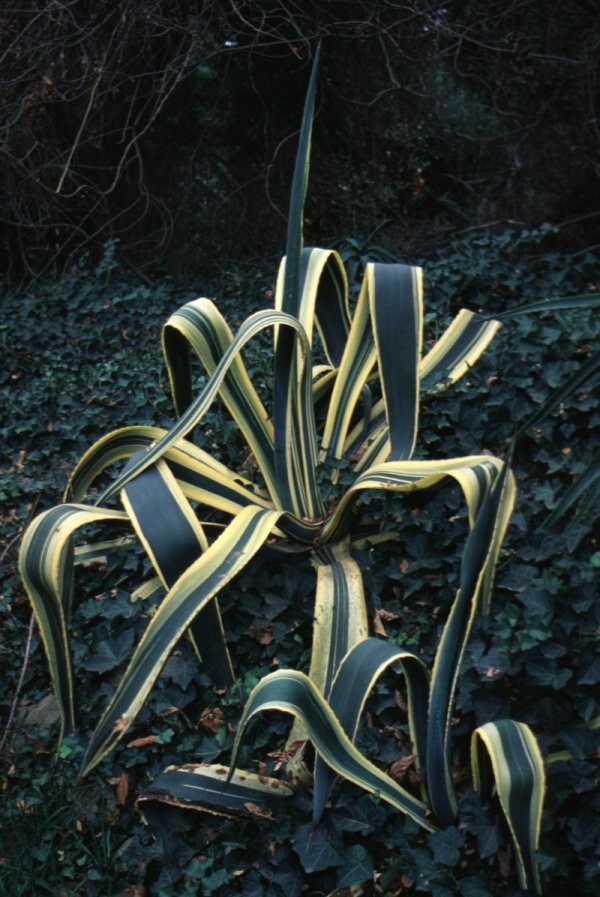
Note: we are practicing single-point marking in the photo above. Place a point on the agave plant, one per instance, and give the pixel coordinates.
(367, 390)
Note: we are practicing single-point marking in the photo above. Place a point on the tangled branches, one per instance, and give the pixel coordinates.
(479, 111)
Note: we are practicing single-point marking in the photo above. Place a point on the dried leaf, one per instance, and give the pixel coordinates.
(262, 634)
(141, 742)
(399, 769)
(212, 719)
(504, 864)
(378, 626)
(122, 789)
(256, 810)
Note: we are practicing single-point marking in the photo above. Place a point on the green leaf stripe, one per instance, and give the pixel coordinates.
(173, 539)
(397, 319)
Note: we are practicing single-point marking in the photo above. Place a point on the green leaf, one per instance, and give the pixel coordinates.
(357, 867)
(292, 692)
(559, 303)
(111, 653)
(446, 845)
(318, 848)
(181, 670)
(473, 886)
(244, 536)
(213, 788)
(506, 755)
(355, 679)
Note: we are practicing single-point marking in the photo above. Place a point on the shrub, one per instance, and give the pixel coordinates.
(350, 421)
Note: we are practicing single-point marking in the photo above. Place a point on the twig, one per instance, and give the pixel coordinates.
(19, 688)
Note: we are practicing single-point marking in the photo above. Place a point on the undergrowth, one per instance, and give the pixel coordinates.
(81, 358)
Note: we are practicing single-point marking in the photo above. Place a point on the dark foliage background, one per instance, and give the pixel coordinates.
(167, 126)
(140, 142)
(81, 358)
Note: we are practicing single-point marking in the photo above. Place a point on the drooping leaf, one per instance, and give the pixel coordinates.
(506, 755)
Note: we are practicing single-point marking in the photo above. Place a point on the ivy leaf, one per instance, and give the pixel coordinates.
(284, 877)
(110, 653)
(476, 818)
(440, 891)
(446, 846)
(181, 670)
(362, 816)
(108, 608)
(358, 867)
(473, 886)
(213, 881)
(581, 741)
(317, 848)
(251, 885)
(592, 674)
(546, 674)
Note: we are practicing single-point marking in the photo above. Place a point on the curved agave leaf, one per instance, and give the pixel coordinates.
(354, 681)
(387, 328)
(292, 692)
(340, 618)
(480, 555)
(323, 299)
(194, 413)
(200, 325)
(474, 474)
(506, 755)
(200, 476)
(46, 568)
(174, 539)
(198, 585)
(457, 350)
(453, 355)
(207, 788)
